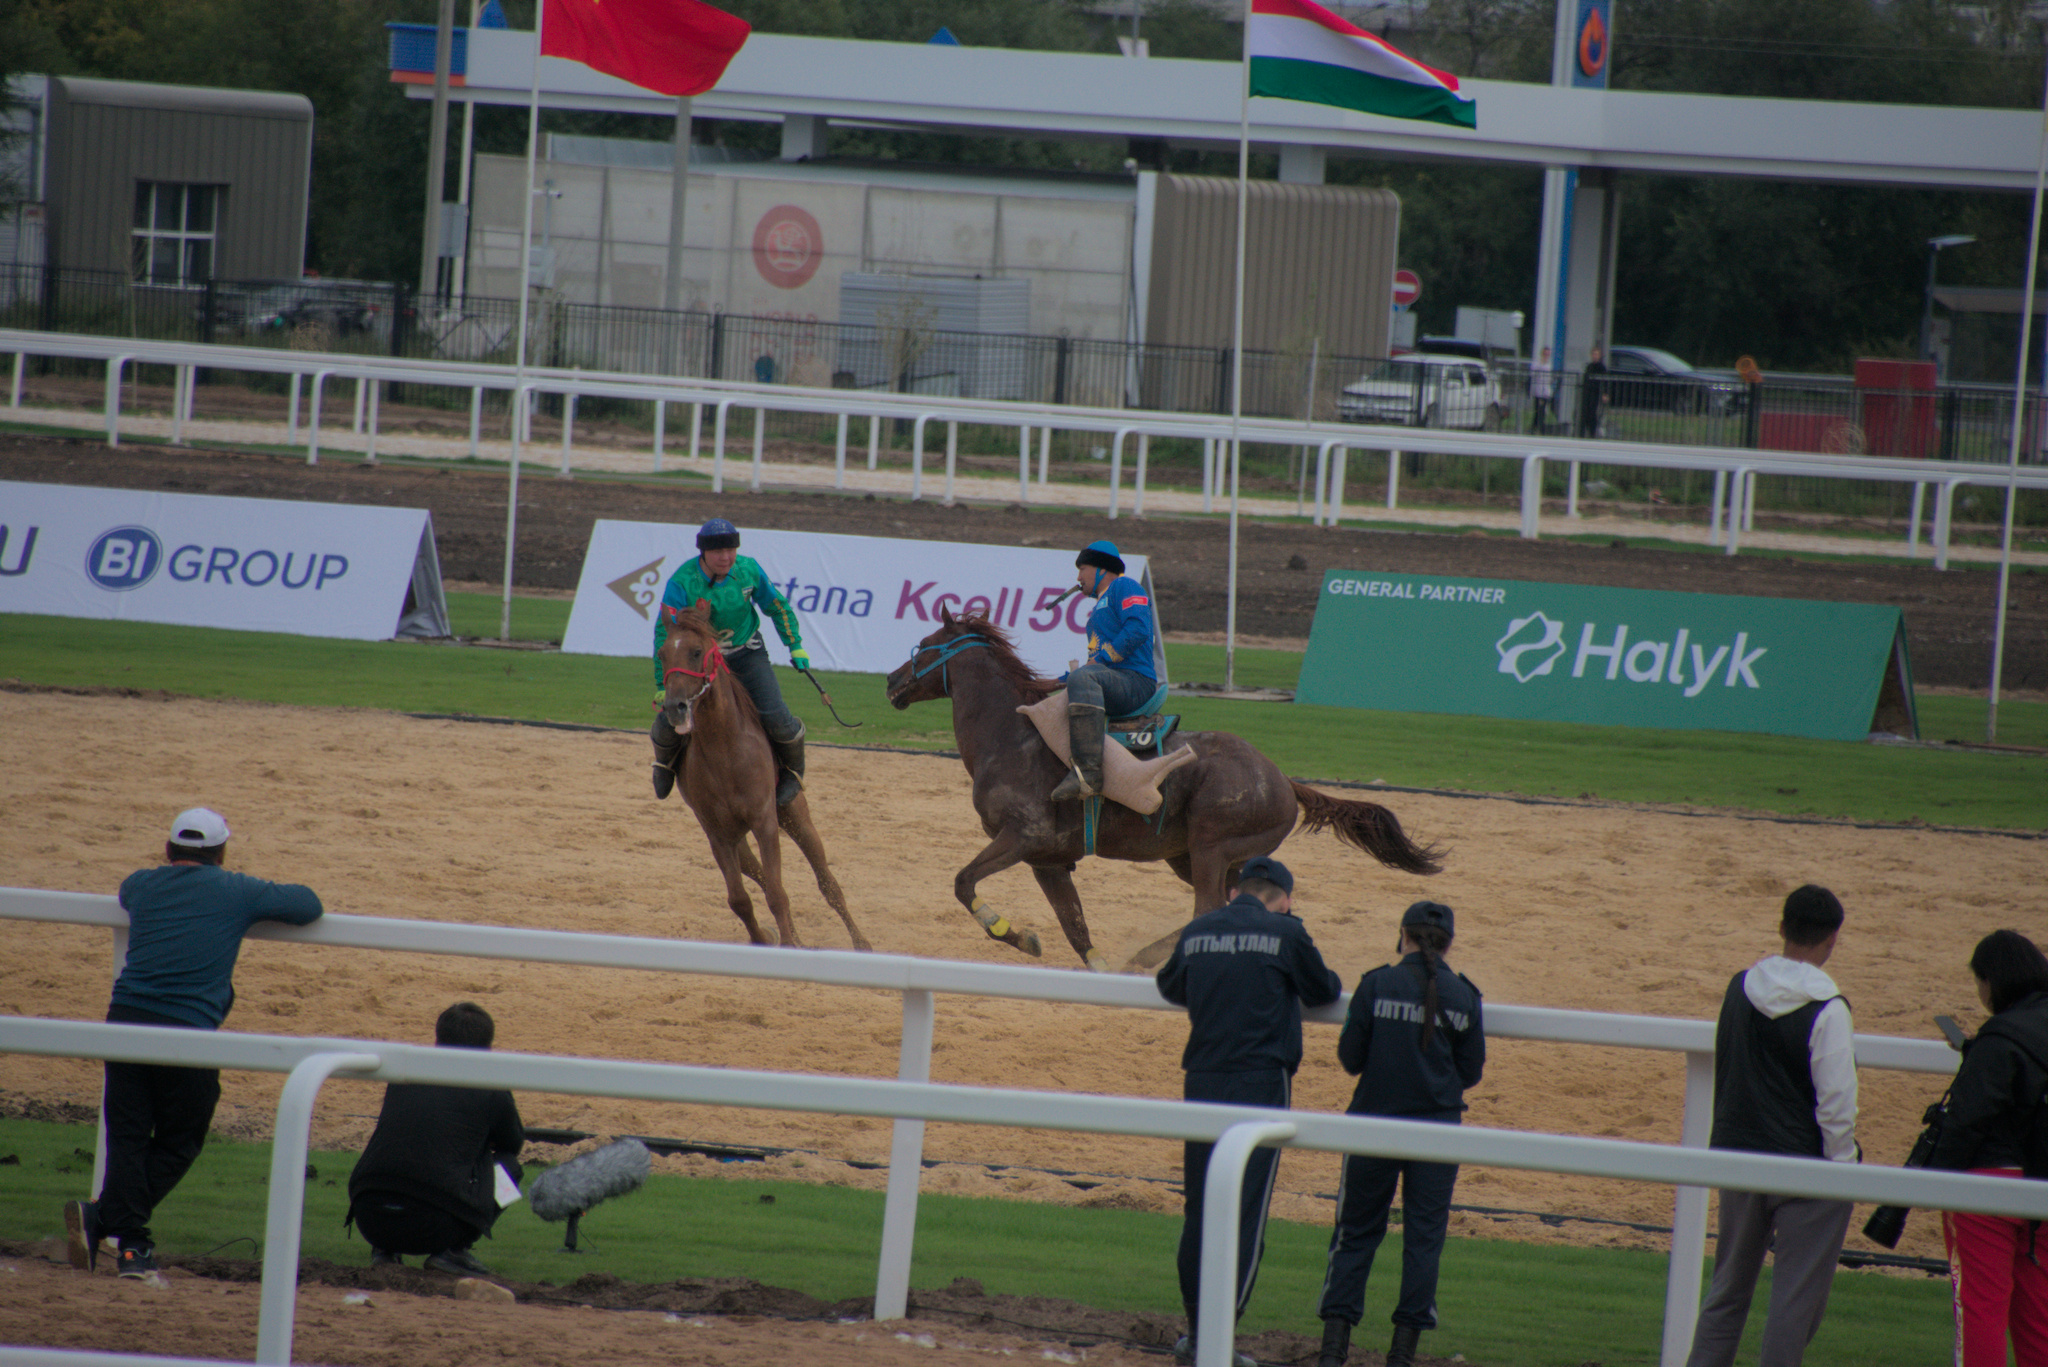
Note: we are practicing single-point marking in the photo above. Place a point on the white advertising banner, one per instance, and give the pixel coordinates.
(863, 602)
(248, 564)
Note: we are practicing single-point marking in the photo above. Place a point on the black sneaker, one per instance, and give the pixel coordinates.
(456, 1262)
(82, 1234)
(384, 1257)
(137, 1261)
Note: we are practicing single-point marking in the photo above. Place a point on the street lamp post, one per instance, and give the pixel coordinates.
(1934, 246)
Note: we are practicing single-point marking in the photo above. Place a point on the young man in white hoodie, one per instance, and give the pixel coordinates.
(1784, 1083)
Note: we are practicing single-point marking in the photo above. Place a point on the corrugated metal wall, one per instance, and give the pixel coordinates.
(1319, 262)
(104, 136)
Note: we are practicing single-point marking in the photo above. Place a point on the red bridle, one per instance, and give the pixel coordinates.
(718, 665)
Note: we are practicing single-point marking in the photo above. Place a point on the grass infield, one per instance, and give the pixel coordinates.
(1774, 774)
(1501, 1304)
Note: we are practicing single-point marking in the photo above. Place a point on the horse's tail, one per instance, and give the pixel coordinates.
(1368, 826)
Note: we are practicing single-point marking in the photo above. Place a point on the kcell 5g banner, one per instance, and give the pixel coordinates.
(863, 602)
(251, 564)
(1616, 657)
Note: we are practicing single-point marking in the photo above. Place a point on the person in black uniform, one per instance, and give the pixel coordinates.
(1243, 971)
(1415, 1040)
(427, 1181)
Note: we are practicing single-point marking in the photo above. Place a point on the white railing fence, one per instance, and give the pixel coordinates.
(912, 1099)
(1735, 470)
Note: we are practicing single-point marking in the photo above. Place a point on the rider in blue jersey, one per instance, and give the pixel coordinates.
(1117, 678)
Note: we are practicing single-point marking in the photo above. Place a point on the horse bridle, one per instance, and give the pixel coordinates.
(947, 650)
(709, 676)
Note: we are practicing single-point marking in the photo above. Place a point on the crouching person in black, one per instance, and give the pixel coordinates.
(427, 1182)
(1415, 1040)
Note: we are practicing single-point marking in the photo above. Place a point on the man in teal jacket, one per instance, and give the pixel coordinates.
(186, 920)
(735, 585)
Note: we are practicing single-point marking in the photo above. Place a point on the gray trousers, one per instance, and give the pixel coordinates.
(1809, 1237)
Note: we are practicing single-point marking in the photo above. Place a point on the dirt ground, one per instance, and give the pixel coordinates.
(1949, 615)
(1587, 906)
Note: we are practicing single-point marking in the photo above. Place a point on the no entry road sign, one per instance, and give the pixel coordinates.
(1407, 288)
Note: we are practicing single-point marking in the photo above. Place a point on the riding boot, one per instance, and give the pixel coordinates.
(669, 746)
(1087, 729)
(1402, 1352)
(789, 764)
(1336, 1343)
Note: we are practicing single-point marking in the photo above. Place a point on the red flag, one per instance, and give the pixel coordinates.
(673, 47)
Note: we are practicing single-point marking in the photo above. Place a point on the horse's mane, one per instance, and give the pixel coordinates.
(1008, 662)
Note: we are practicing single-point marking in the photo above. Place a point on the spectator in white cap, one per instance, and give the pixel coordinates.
(186, 920)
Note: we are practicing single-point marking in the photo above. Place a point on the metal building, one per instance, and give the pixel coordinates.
(175, 184)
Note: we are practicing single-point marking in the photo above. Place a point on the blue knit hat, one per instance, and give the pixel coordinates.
(1102, 554)
(718, 535)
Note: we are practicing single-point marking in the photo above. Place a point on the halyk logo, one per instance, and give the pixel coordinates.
(1531, 646)
(639, 589)
(1534, 644)
(124, 558)
(788, 247)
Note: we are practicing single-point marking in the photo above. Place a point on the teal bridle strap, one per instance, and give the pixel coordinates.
(945, 653)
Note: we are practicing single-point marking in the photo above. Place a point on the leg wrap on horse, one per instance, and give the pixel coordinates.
(668, 754)
(789, 764)
(1087, 729)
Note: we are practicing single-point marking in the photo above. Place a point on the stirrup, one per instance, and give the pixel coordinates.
(1073, 787)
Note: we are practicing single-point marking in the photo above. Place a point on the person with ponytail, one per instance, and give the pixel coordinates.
(1415, 1040)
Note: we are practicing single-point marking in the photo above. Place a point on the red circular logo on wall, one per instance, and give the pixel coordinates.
(787, 247)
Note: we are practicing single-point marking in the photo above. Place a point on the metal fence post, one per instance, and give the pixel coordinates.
(1688, 1218)
(906, 1164)
(568, 427)
(952, 458)
(281, 1227)
(115, 364)
(1138, 490)
(1023, 460)
(839, 456)
(1752, 415)
(917, 456)
(1059, 370)
(760, 431)
(1216, 1316)
(1532, 495)
(716, 369)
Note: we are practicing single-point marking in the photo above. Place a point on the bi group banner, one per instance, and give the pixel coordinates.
(863, 602)
(249, 564)
(1618, 657)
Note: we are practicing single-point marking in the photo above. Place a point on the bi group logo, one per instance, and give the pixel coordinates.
(125, 558)
(1532, 647)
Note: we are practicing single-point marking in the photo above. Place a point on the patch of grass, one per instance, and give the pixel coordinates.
(1479, 754)
(533, 619)
(1501, 1304)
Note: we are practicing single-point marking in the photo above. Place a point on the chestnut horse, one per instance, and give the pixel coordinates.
(728, 778)
(1229, 804)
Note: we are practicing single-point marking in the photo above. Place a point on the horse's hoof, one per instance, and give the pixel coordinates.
(1027, 940)
(1096, 963)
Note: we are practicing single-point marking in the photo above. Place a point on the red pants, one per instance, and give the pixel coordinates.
(1999, 1288)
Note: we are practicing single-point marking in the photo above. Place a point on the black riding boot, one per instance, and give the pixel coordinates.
(668, 755)
(1087, 729)
(789, 764)
(1336, 1343)
(1402, 1351)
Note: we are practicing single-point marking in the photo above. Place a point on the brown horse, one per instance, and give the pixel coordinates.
(1229, 804)
(728, 778)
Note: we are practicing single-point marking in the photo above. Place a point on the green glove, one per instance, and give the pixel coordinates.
(799, 660)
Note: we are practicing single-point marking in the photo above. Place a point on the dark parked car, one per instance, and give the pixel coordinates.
(1646, 377)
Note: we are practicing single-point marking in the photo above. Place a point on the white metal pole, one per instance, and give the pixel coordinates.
(1688, 1218)
(290, 1139)
(1216, 1315)
(2012, 455)
(525, 290)
(458, 270)
(1244, 162)
(906, 1162)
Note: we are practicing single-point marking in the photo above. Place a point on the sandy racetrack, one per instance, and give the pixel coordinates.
(1601, 908)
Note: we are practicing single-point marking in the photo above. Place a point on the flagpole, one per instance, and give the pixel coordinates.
(2019, 408)
(1244, 158)
(525, 291)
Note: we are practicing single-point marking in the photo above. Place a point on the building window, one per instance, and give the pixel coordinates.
(173, 234)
